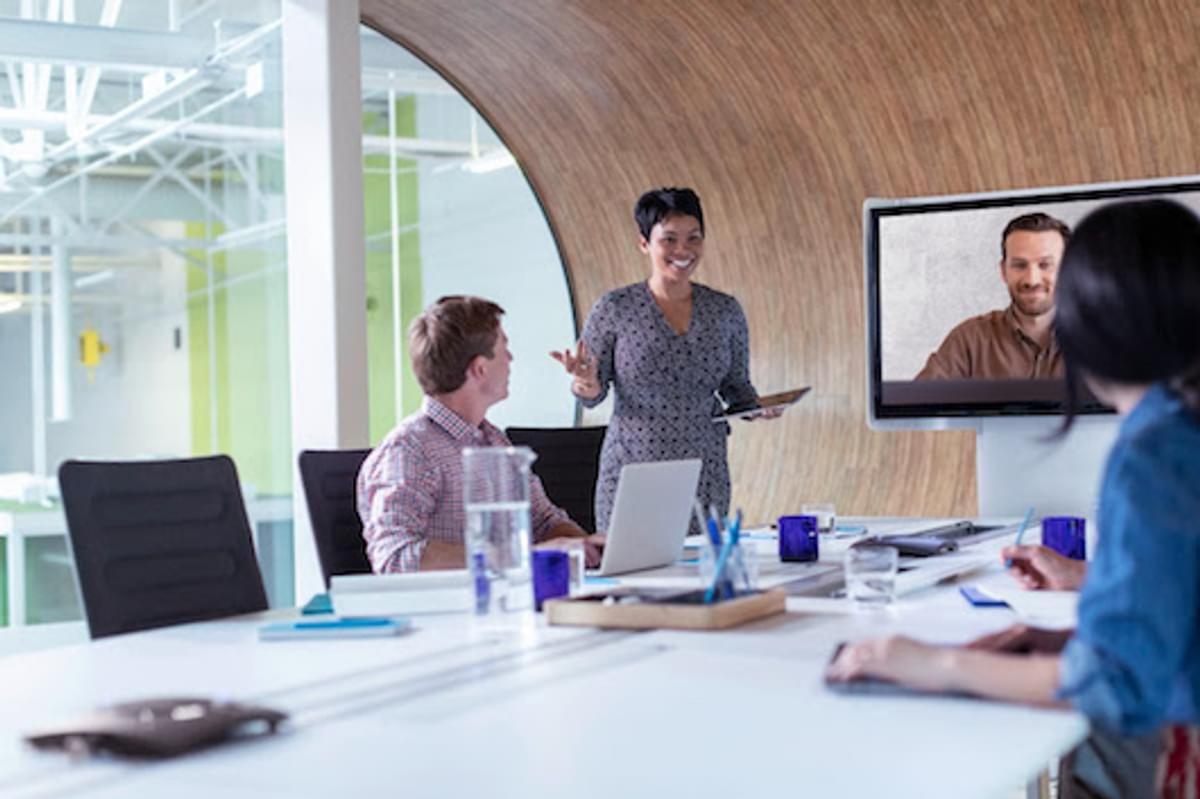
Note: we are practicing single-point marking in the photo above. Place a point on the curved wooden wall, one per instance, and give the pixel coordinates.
(785, 115)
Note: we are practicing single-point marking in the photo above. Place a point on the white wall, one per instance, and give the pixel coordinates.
(137, 404)
(16, 408)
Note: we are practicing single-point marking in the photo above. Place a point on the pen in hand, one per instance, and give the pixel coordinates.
(1020, 534)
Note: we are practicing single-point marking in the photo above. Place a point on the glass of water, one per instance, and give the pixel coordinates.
(497, 534)
(871, 576)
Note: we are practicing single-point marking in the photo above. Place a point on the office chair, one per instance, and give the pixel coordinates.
(158, 543)
(329, 478)
(568, 463)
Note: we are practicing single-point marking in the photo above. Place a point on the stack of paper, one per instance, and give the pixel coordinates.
(394, 594)
(1057, 610)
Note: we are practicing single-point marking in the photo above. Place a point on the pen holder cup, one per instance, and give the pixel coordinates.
(741, 570)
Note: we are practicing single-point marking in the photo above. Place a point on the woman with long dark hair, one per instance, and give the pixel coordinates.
(1128, 322)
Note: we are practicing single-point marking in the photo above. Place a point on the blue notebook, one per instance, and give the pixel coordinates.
(360, 627)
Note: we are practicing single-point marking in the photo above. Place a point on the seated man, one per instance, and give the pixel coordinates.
(1016, 342)
(410, 488)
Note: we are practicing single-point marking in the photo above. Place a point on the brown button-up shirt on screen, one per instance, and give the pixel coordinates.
(992, 346)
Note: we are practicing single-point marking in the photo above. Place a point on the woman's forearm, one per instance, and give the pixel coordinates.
(1032, 679)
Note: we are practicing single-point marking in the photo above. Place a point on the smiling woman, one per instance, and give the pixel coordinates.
(669, 347)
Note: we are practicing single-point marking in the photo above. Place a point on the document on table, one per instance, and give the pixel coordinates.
(1051, 609)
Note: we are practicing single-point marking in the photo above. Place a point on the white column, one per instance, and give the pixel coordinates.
(37, 351)
(322, 114)
(62, 347)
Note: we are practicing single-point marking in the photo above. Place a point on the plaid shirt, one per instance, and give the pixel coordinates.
(410, 488)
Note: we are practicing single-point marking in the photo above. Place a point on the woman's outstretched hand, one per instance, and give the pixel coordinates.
(585, 382)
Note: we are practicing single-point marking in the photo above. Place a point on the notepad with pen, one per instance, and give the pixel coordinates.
(353, 627)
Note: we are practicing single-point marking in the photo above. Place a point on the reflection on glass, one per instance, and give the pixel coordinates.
(143, 285)
(449, 212)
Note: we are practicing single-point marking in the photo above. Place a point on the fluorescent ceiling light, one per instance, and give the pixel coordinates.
(9, 304)
(496, 159)
(94, 278)
(254, 80)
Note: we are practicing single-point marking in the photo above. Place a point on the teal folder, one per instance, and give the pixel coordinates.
(364, 627)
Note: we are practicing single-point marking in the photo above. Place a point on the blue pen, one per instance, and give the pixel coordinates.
(1020, 534)
(718, 572)
(720, 553)
(735, 530)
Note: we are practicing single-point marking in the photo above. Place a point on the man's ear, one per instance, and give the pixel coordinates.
(476, 368)
(643, 245)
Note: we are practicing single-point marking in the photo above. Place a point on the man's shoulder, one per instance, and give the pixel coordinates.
(985, 325)
(986, 320)
(412, 435)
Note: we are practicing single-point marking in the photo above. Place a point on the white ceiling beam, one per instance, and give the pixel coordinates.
(100, 46)
(91, 76)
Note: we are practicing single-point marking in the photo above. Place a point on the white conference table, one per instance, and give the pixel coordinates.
(448, 710)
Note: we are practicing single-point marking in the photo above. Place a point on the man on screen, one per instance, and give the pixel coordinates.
(1016, 342)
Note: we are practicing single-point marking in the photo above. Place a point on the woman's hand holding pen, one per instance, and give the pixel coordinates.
(585, 382)
(1040, 568)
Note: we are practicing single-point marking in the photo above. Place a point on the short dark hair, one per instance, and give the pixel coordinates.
(1127, 297)
(1033, 223)
(447, 336)
(657, 204)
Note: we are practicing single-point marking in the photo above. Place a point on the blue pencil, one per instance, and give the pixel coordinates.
(1020, 534)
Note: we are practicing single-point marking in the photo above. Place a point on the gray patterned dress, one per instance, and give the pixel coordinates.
(667, 385)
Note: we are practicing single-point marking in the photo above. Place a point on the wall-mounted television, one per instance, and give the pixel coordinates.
(947, 314)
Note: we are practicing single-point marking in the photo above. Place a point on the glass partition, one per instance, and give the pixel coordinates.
(143, 277)
(449, 211)
(143, 285)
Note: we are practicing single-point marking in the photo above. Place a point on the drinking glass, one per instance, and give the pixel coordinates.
(871, 576)
(496, 500)
(824, 511)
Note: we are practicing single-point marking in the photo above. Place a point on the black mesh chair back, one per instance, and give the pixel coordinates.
(568, 463)
(159, 542)
(329, 478)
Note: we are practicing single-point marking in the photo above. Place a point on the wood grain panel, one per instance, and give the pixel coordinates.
(784, 115)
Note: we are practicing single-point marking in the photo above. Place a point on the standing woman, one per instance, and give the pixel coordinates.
(669, 347)
(1128, 301)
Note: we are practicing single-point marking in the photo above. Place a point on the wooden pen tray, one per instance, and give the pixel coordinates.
(677, 611)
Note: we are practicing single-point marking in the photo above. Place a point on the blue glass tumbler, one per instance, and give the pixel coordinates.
(798, 538)
(1066, 535)
(551, 575)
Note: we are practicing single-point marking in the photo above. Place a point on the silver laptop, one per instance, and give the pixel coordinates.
(650, 515)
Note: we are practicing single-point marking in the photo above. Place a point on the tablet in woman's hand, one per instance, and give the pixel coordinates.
(781, 400)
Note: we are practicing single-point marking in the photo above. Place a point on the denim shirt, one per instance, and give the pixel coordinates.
(1134, 661)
